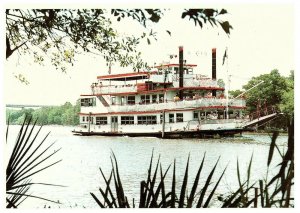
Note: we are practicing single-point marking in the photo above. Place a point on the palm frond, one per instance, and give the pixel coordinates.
(18, 170)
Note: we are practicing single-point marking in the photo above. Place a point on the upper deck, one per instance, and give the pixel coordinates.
(165, 78)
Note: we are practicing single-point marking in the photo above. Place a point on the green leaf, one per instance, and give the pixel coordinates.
(272, 146)
(223, 11)
(226, 26)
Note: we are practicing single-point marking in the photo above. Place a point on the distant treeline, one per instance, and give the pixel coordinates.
(66, 114)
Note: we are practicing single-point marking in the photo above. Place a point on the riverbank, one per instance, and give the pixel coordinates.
(264, 133)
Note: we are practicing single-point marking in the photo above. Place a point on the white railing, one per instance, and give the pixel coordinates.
(200, 83)
(203, 102)
(114, 89)
(190, 80)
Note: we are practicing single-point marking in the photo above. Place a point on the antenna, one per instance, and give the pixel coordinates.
(248, 90)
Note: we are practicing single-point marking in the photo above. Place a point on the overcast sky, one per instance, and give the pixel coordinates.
(263, 39)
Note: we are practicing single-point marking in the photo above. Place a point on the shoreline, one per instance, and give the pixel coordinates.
(263, 133)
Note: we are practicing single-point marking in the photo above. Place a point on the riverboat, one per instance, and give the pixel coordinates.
(171, 101)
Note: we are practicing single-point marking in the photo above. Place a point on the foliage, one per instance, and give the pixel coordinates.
(274, 192)
(202, 16)
(220, 83)
(153, 192)
(287, 103)
(234, 93)
(59, 35)
(26, 160)
(274, 91)
(66, 114)
(271, 90)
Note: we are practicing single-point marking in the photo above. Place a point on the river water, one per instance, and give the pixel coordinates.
(82, 157)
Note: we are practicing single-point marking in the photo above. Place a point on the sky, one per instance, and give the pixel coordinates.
(262, 39)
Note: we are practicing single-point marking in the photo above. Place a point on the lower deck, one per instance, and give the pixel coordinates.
(174, 134)
(164, 124)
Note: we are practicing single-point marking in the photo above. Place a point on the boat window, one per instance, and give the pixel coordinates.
(154, 98)
(83, 118)
(161, 98)
(171, 118)
(131, 100)
(176, 69)
(179, 117)
(195, 115)
(145, 99)
(92, 120)
(147, 119)
(101, 120)
(127, 120)
(113, 100)
(122, 100)
(88, 102)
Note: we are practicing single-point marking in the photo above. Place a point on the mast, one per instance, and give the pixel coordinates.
(227, 86)
(163, 124)
(180, 72)
(214, 69)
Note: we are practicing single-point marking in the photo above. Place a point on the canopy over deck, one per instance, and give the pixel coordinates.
(125, 76)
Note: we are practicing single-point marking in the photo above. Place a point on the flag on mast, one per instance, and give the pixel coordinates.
(225, 56)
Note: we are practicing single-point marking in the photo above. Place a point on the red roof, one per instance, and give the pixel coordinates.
(123, 75)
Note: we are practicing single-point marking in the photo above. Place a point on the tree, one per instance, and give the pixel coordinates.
(271, 90)
(270, 94)
(220, 83)
(60, 34)
(287, 103)
(234, 93)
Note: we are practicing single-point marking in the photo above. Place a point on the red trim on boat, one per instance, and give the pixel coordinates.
(123, 75)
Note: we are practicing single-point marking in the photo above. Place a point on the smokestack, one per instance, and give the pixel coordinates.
(180, 72)
(214, 68)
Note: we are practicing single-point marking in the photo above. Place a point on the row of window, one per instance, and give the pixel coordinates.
(145, 99)
(86, 102)
(198, 115)
(127, 120)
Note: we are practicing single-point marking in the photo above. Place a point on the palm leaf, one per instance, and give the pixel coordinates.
(152, 183)
(18, 171)
(173, 192)
(97, 200)
(193, 191)
(213, 191)
(184, 184)
(200, 201)
(272, 146)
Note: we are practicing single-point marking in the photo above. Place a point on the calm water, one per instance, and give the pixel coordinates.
(82, 157)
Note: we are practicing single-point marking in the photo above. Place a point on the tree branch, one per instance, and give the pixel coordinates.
(10, 51)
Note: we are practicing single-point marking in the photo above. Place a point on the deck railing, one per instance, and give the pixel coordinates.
(189, 81)
(114, 89)
(184, 104)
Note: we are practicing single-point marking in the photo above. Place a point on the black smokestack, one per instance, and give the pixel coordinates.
(180, 72)
(214, 68)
